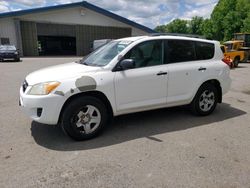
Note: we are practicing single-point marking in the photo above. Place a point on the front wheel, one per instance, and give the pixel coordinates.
(84, 118)
(205, 100)
(17, 59)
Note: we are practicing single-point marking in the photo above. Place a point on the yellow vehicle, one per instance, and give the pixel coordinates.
(231, 49)
(238, 49)
(245, 37)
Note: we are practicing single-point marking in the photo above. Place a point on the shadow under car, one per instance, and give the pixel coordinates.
(132, 126)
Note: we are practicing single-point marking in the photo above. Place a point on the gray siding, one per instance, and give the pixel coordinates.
(29, 38)
(85, 35)
(55, 30)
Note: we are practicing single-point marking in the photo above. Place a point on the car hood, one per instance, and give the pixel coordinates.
(7, 51)
(59, 72)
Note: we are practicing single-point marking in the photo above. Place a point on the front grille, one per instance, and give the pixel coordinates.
(25, 85)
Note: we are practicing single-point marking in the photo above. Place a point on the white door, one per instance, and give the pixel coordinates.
(188, 66)
(146, 84)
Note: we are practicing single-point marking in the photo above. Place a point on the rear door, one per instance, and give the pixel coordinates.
(186, 69)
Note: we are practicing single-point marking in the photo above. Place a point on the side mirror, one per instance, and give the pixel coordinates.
(127, 64)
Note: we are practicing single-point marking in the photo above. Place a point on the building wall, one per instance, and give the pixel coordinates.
(7, 30)
(85, 35)
(78, 16)
(29, 38)
(46, 29)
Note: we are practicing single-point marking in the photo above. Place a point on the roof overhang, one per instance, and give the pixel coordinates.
(83, 4)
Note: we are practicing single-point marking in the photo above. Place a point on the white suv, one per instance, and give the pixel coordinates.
(125, 76)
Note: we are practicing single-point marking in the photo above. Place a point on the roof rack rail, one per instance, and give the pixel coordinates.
(178, 34)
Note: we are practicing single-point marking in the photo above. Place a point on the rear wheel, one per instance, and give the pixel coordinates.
(205, 100)
(236, 62)
(84, 118)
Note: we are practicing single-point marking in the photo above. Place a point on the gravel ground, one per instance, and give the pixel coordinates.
(162, 148)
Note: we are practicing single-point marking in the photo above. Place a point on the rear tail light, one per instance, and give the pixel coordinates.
(228, 61)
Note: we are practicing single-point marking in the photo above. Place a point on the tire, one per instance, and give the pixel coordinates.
(17, 60)
(84, 118)
(205, 100)
(236, 62)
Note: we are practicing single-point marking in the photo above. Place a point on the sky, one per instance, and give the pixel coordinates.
(146, 12)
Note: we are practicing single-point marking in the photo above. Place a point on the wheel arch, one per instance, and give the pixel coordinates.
(96, 94)
(238, 57)
(217, 85)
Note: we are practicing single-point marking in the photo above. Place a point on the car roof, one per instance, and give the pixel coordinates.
(233, 41)
(162, 37)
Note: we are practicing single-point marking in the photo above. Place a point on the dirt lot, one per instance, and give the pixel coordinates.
(162, 148)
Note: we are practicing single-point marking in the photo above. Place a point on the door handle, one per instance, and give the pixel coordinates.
(161, 73)
(202, 69)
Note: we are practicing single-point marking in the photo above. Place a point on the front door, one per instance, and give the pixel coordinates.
(146, 84)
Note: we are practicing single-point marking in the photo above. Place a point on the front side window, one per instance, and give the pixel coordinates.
(180, 51)
(146, 54)
(229, 46)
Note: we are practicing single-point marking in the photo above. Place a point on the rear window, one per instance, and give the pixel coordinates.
(204, 50)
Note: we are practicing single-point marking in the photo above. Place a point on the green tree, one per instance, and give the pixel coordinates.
(161, 29)
(195, 25)
(207, 29)
(177, 26)
(228, 17)
(246, 24)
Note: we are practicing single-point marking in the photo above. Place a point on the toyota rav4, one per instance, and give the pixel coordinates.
(125, 76)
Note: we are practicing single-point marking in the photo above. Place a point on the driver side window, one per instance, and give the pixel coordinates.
(146, 54)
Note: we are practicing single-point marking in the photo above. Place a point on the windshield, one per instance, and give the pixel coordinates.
(103, 55)
(239, 37)
(2, 48)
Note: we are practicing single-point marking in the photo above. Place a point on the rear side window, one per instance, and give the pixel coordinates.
(185, 50)
(223, 49)
(204, 50)
(180, 50)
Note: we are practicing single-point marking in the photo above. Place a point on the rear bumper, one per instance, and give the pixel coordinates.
(226, 85)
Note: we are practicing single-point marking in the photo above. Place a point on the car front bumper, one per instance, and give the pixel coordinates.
(9, 56)
(41, 108)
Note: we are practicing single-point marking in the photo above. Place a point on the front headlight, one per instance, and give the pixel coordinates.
(43, 88)
(15, 53)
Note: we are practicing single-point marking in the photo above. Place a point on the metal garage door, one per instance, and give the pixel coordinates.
(80, 37)
(29, 38)
(85, 35)
(56, 39)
